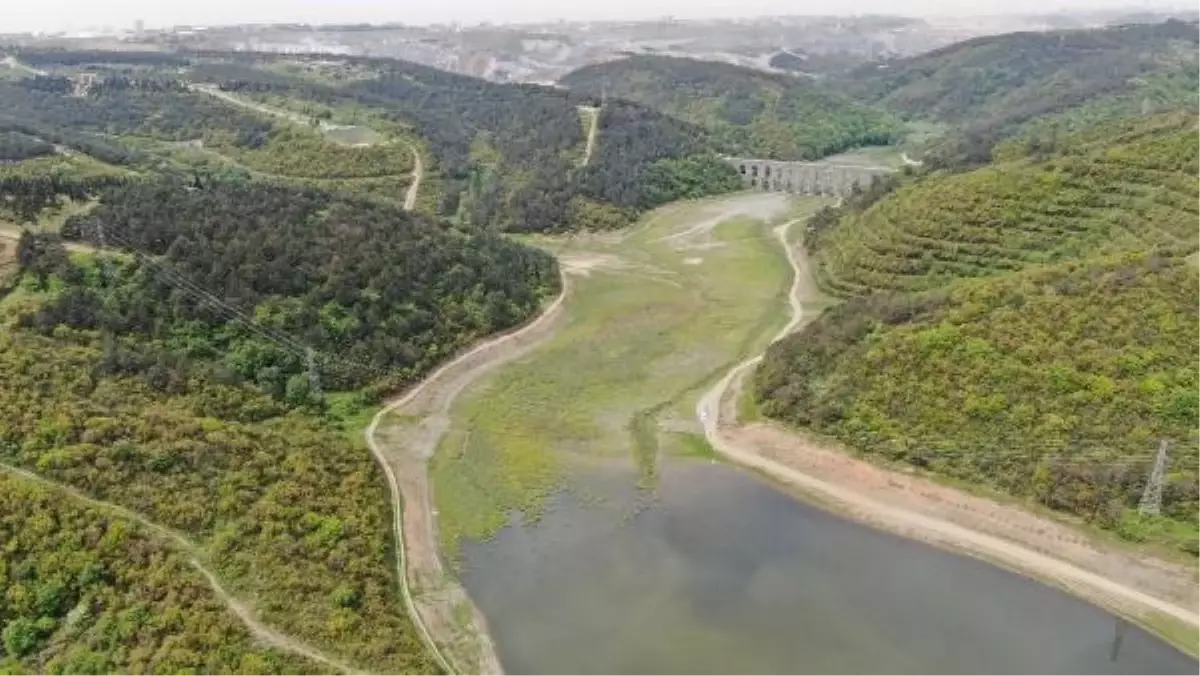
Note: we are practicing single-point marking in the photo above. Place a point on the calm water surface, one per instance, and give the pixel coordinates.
(722, 573)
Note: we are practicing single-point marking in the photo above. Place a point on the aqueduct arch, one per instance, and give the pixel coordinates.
(804, 178)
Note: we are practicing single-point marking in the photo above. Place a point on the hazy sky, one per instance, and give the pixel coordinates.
(26, 15)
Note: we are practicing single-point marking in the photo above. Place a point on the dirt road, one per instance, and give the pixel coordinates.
(418, 171)
(593, 121)
(213, 90)
(242, 610)
(403, 448)
(13, 233)
(925, 515)
(11, 62)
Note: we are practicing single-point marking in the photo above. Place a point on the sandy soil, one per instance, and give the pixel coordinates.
(418, 171)
(12, 233)
(403, 437)
(244, 612)
(1007, 534)
(593, 119)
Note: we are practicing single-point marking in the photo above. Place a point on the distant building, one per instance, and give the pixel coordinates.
(139, 26)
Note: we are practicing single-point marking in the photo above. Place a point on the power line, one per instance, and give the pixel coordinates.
(303, 352)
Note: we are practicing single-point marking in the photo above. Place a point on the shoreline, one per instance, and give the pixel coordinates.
(742, 445)
(431, 593)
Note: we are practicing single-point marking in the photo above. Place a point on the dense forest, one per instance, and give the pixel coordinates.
(508, 156)
(159, 108)
(16, 146)
(52, 57)
(501, 157)
(86, 592)
(253, 275)
(1124, 186)
(994, 87)
(748, 112)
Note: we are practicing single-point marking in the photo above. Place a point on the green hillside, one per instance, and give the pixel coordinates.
(1030, 325)
(496, 156)
(173, 374)
(286, 510)
(1127, 186)
(510, 157)
(86, 592)
(380, 294)
(749, 112)
(1056, 383)
(992, 87)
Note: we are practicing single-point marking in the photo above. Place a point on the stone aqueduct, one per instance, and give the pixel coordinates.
(804, 178)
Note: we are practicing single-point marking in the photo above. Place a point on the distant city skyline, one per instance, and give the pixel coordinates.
(72, 15)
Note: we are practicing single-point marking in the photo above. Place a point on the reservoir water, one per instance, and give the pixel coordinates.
(719, 572)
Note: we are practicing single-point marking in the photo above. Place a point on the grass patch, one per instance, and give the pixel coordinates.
(76, 166)
(747, 405)
(350, 412)
(691, 445)
(1182, 635)
(885, 156)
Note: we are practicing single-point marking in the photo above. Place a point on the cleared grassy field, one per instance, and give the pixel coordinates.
(652, 317)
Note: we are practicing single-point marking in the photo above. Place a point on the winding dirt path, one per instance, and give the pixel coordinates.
(242, 610)
(418, 172)
(12, 232)
(403, 449)
(12, 62)
(780, 462)
(213, 90)
(593, 114)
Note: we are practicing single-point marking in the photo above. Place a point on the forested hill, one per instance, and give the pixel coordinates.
(381, 295)
(1125, 186)
(124, 586)
(1030, 325)
(510, 157)
(201, 371)
(748, 111)
(1054, 384)
(498, 156)
(990, 87)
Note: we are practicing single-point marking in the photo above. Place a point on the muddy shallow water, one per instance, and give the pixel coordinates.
(718, 572)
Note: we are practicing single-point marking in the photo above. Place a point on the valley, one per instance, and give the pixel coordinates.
(543, 482)
(345, 363)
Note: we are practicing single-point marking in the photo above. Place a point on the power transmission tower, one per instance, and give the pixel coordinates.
(1152, 497)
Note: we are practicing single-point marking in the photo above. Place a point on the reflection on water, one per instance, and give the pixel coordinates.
(725, 574)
